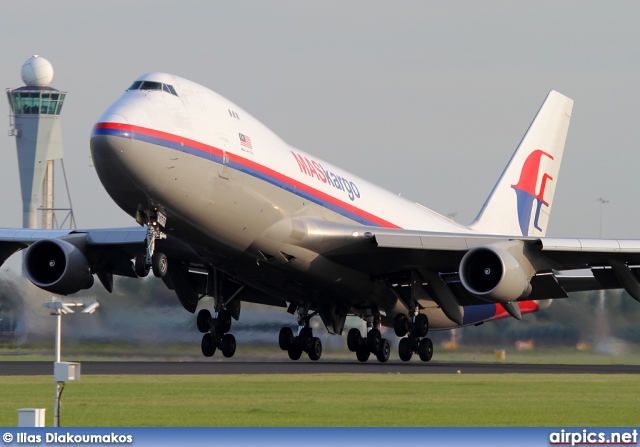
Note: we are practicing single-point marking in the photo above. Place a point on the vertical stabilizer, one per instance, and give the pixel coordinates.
(520, 203)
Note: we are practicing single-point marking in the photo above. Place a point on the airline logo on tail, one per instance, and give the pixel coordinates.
(526, 191)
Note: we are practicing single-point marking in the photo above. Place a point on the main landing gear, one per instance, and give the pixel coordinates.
(216, 334)
(216, 328)
(416, 342)
(373, 343)
(304, 341)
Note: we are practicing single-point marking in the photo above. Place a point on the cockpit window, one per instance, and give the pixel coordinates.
(152, 85)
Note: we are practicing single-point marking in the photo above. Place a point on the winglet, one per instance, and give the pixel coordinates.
(520, 203)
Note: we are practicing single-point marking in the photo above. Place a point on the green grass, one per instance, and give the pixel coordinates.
(331, 400)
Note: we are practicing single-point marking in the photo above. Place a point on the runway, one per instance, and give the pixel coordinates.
(14, 368)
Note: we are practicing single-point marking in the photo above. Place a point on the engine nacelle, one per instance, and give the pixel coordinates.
(494, 274)
(57, 267)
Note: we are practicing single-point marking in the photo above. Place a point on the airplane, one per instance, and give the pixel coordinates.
(230, 213)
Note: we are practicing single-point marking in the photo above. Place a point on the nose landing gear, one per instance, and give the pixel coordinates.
(152, 260)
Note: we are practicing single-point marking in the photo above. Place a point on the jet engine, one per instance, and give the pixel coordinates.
(494, 274)
(57, 266)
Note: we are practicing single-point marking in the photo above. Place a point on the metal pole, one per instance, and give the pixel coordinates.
(602, 326)
(56, 388)
(603, 202)
(58, 335)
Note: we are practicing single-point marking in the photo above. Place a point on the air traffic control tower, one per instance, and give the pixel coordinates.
(35, 122)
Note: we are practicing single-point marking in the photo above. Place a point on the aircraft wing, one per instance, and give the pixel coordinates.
(112, 247)
(558, 264)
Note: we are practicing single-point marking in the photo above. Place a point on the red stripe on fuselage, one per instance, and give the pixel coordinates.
(250, 165)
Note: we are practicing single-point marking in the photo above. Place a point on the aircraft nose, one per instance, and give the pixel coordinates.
(110, 138)
(110, 144)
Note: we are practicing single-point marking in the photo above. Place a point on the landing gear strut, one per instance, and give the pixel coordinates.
(304, 341)
(414, 325)
(373, 343)
(151, 259)
(416, 341)
(216, 328)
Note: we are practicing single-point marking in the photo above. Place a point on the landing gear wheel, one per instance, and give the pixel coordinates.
(294, 352)
(203, 320)
(420, 326)
(401, 325)
(425, 349)
(223, 321)
(285, 339)
(140, 266)
(305, 339)
(404, 350)
(363, 354)
(159, 264)
(383, 353)
(228, 345)
(316, 349)
(374, 338)
(354, 339)
(207, 345)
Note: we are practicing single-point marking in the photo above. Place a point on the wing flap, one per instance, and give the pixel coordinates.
(383, 252)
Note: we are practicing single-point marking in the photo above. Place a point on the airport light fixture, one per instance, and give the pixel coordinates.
(64, 371)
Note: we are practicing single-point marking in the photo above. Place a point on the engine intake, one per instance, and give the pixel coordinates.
(494, 274)
(57, 267)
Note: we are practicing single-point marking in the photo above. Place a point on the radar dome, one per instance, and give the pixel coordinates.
(37, 71)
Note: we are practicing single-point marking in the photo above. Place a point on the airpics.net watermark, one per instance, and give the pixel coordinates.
(24, 438)
(591, 437)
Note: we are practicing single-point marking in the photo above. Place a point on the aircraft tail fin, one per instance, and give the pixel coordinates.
(520, 203)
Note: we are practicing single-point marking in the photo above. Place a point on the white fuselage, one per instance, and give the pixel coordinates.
(224, 180)
(215, 124)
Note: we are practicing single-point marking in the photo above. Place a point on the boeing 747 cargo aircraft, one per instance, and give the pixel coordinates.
(228, 212)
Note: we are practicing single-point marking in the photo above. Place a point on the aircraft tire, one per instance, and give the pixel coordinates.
(159, 265)
(354, 339)
(401, 325)
(203, 320)
(305, 339)
(294, 352)
(404, 349)
(316, 349)
(223, 321)
(363, 354)
(385, 350)
(374, 338)
(140, 266)
(228, 345)
(285, 338)
(208, 346)
(421, 326)
(425, 349)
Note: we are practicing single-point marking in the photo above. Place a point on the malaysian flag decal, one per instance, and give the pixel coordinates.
(245, 141)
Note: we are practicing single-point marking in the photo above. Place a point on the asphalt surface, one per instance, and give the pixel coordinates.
(26, 368)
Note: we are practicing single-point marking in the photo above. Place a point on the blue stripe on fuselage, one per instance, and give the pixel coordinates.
(477, 314)
(236, 166)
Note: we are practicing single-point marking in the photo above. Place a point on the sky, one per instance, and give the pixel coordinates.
(425, 98)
